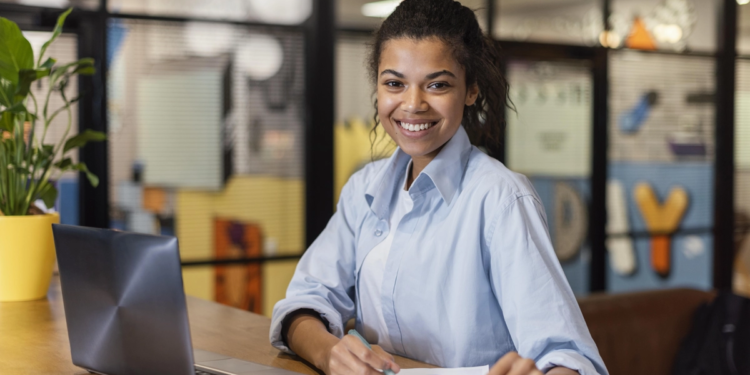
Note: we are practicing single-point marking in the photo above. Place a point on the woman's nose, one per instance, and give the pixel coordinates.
(413, 100)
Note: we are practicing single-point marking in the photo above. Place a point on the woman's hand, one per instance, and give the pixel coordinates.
(351, 356)
(513, 364)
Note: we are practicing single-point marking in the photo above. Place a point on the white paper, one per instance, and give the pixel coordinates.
(481, 370)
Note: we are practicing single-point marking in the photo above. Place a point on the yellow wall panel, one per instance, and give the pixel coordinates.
(353, 148)
(276, 278)
(276, 204)
(199, 282)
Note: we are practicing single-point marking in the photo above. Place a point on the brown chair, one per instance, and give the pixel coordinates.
(640, 333)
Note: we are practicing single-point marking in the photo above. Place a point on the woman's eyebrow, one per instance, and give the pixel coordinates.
(440, 73)
(391, 71)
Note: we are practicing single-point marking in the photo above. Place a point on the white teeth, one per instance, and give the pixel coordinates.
(415, 127)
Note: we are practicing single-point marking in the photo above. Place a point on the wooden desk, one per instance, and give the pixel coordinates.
(34, 336)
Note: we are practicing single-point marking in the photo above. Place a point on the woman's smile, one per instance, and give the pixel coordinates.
(415, 127)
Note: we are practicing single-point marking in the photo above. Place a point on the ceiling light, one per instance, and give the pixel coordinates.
(45, 3)
(209, 39)
(260, 56)
(286, 12)
(743, 2)
(668, 33)
(610, 39)
(380, 9)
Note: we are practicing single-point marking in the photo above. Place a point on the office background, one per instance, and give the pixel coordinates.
(233, 124)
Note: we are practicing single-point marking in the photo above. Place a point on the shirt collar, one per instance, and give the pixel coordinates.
(444, 172)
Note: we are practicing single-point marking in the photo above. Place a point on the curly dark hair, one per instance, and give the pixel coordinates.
(457, 26)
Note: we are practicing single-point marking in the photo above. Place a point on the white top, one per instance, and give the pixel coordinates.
(373, 269)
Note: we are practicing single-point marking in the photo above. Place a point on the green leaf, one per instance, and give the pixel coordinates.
(31, 117)
(48, 64)
(7, 93)
(85, 70)
(64, 165)
(15, 51)
(81, 167)
(80, 140)
(84, 66)
(6, 121)
(48, 194)
(16, 108)
(25, 78)
(19, 168)
(55, 33)
(45, 151)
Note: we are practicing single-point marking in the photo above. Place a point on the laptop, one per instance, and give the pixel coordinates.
(125, 306)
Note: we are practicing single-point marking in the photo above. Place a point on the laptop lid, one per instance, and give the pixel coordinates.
(124, 301)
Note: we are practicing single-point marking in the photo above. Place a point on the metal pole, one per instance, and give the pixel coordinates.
(319, 103)
(490, 6)
(726, 61)
(92, 114)
(600, 140)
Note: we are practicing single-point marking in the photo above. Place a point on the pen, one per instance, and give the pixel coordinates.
(356, 334)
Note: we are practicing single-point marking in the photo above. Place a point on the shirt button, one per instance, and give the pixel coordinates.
(378, 233)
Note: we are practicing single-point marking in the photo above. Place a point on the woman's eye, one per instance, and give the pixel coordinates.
(439, 85)
(393, 84)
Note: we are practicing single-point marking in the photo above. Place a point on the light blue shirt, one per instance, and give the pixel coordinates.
(471, 273)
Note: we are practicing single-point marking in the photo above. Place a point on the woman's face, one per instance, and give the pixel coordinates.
(421, 93)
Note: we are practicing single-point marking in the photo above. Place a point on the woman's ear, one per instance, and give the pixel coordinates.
(471, 95)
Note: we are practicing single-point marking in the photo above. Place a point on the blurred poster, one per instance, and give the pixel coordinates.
(239, 285)
(550, 133)
(179, 135)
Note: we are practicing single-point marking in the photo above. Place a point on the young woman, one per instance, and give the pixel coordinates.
(440, 253)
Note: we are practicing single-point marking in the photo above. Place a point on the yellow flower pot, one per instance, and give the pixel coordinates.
(27, 256)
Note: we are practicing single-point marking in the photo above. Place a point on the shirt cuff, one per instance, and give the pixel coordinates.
(286, 307)
(568, 359)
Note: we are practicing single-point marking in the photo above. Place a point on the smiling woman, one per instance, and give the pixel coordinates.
(421, 100)
(439, 253)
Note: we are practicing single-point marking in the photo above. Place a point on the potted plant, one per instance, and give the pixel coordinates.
(28, 164)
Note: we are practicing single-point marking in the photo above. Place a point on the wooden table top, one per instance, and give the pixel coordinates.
(34, 336)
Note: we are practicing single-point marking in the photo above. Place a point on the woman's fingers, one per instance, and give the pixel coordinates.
(388, 357)
(343, 362)
(513, 364)
(503, 366)
(351, 356)
(523, 366)
(357, 366)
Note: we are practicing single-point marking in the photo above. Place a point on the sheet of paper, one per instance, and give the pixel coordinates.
(481, 370)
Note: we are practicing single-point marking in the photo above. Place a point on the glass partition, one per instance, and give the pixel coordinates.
(549, 141)
(578, 22)
(285, 12)
(672, 25)
(84, 4)
(660, 183)
(742, 179)
(206, 142)
(355, 144)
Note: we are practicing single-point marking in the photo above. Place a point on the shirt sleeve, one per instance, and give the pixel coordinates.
(324, 278)
(540, 310)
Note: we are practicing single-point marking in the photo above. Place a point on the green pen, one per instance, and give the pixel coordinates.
(356, 334)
